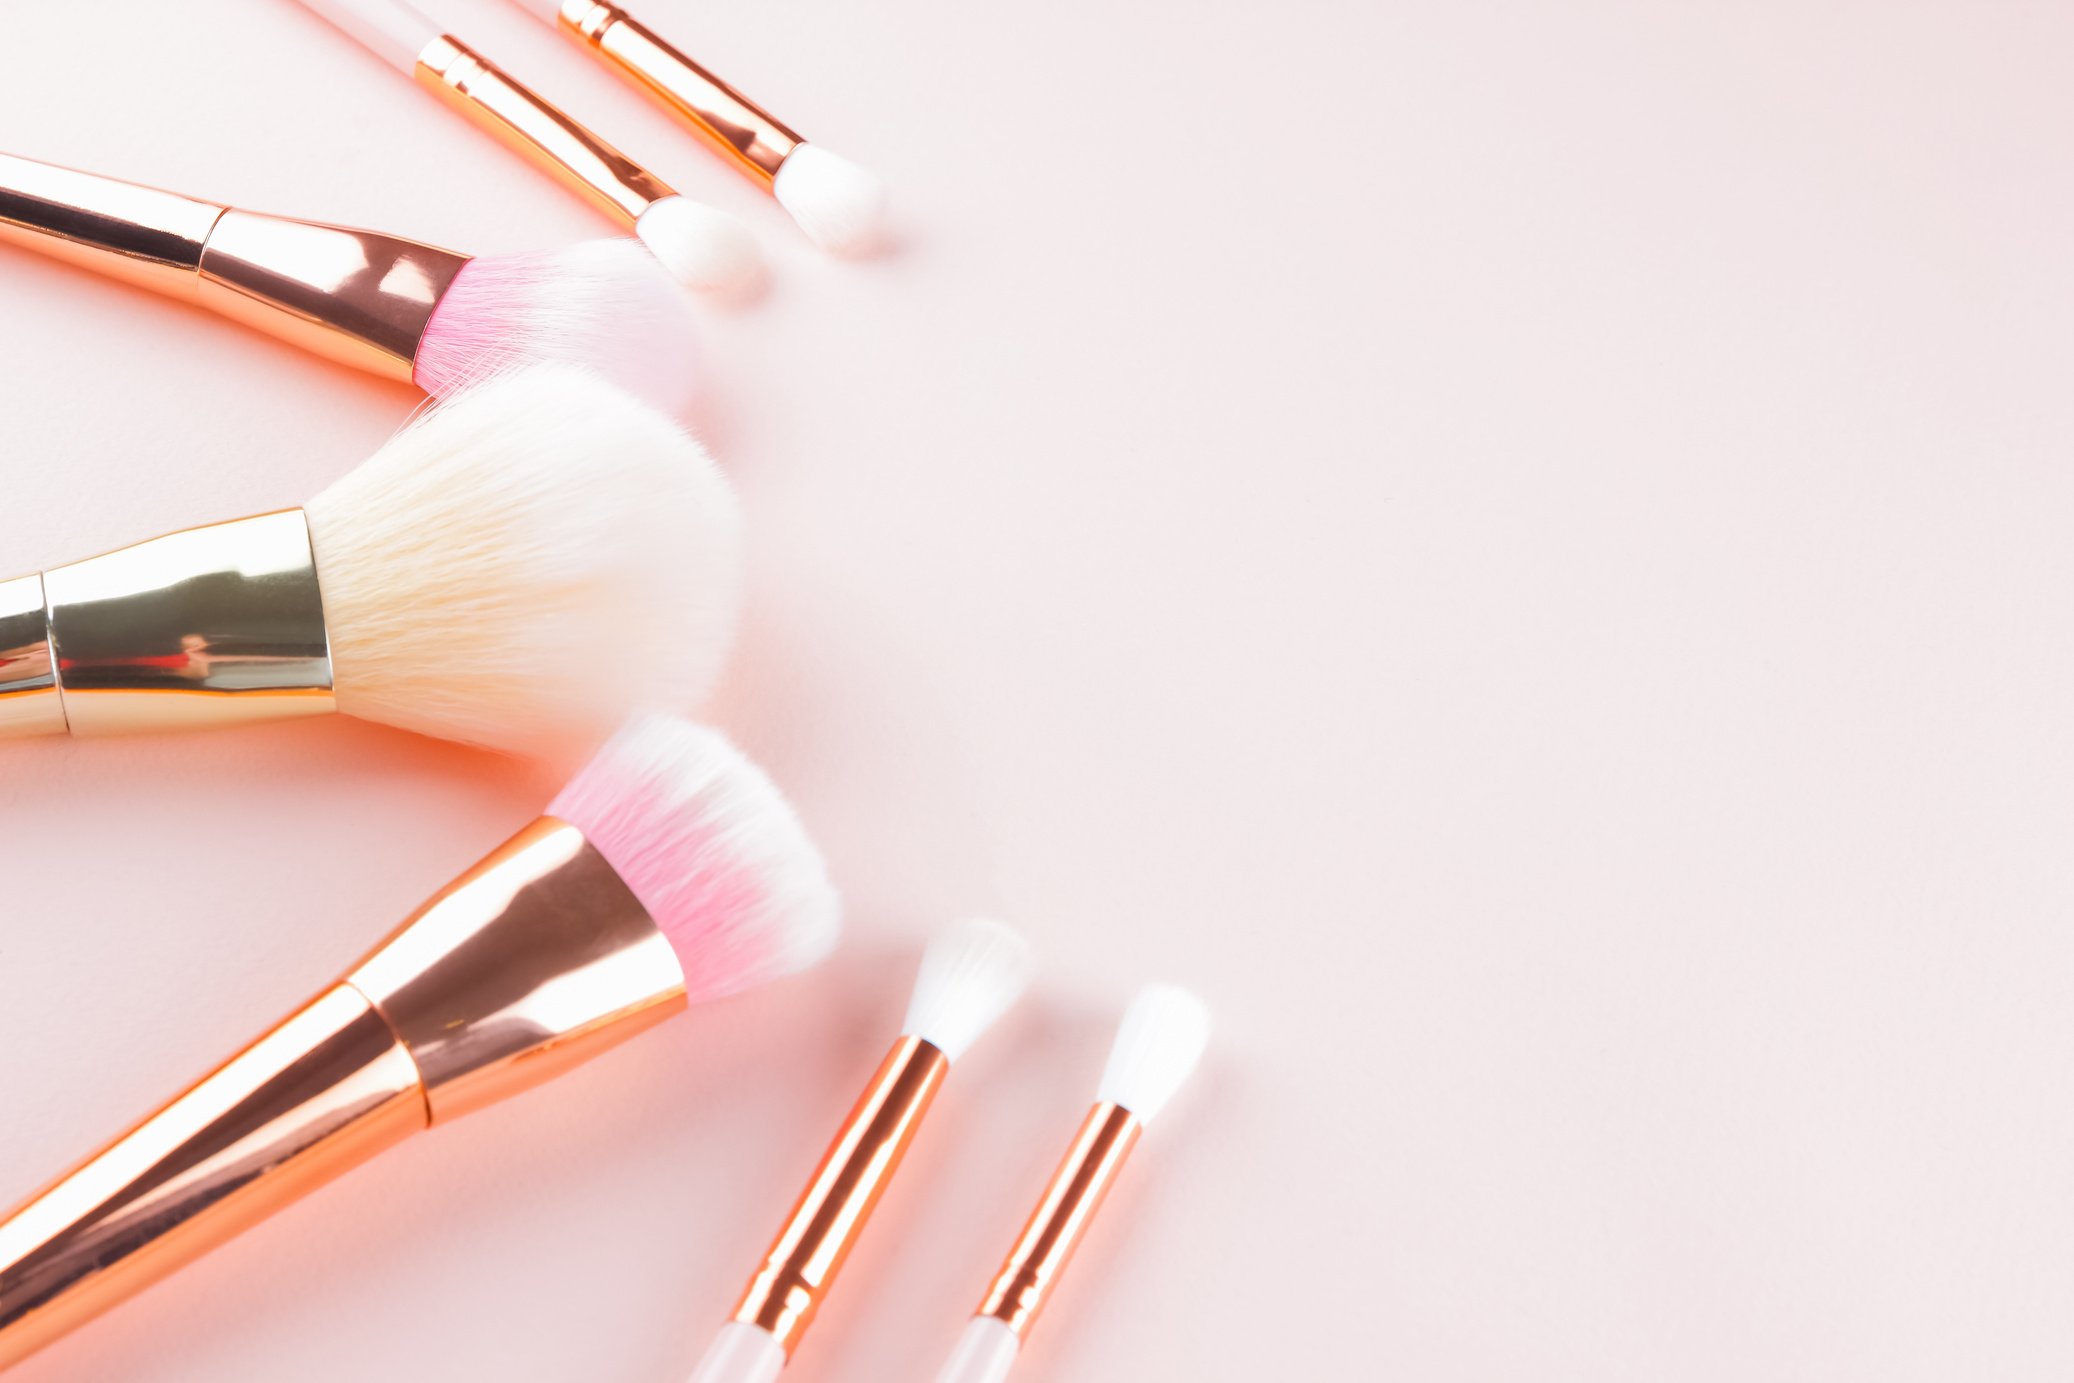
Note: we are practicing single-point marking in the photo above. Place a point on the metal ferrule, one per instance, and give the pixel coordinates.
(209, 626)
(538, 958)
(1020, 1290)
(463, 79)
(809, 1251)
(356, 296)
(751, 137)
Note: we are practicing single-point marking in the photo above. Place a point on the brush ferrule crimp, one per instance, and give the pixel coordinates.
(208, 626)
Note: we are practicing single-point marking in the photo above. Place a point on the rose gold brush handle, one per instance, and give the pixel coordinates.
(533, 961)
(324, 1091)
(748, 135)
(352, 295)
(1019, 1292)
(809, 1251)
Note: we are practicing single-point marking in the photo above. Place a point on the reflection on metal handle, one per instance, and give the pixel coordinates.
(809, 1251)
(1019, 1291)
(534, 960)
(324, 1091)
(754, 139)
(356, 296)
(464, 79)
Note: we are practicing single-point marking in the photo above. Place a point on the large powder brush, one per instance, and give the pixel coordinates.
(517, 569)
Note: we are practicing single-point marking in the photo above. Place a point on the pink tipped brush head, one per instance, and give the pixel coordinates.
(970, 975)
(1157, 1048)
(669, 871)
(706, 249)
(393, 307)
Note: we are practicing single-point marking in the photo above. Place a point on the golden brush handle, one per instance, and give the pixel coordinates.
(327, 1089)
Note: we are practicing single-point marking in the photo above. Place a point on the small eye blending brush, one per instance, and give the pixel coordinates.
(519, 569)
(669, 871)
(840, 205)
(704, 247)
(394, 307)
(969, 977)
(1162, 1038)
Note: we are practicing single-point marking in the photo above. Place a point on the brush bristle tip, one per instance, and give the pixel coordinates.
(706, 249)
(840, 205)
(1157, 1048)
(970, 975)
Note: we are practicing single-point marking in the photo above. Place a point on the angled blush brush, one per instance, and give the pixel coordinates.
(394, 307)
(970, 975)
(1162, 1038)
(518, 568)
(840, 205)
(704, 247)
(669, 871)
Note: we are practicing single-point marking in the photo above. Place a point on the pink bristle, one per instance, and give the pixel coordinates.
(606, 304)
(711, 848)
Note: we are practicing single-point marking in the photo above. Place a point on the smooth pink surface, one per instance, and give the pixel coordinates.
(1522, 550)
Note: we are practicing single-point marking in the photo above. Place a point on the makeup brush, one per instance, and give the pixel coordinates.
(1162, 1038)
(840, 205)
(704, 247)
(669, 871)
(970, 975)
(394, 307)
(516, 569)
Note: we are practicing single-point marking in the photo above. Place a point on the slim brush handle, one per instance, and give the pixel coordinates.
(391, 30)
(748, 135)
(121, 229)
(741, 1354)
(985, 1353)
(327, 1089)
(410, 42)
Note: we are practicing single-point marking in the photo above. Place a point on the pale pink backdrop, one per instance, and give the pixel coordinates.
(1522, 549)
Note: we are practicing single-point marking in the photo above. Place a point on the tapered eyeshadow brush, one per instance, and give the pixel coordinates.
(669, 871)
(970, 975)
(839, 204)
(1162, 1038)
(397, 308)
(706, 248)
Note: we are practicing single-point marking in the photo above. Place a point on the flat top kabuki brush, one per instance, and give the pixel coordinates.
(704, 247)
(669, 871)
(969, 977)
(518, 568)
(397, 308)
(840, 205)
(1162, 1038)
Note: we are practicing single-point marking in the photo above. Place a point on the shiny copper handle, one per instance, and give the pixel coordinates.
(809, 1251)
(466, 80)
(122, 229)
(1020, 1290)
(754, 139)
(327, 1089)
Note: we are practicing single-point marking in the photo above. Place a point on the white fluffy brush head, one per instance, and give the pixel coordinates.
(706, 249)
(711, 848)
(970, 975)
(1162, 1038)
(524, 565)
(839, 204)
(607, 304)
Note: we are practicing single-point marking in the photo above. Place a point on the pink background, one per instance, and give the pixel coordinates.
(1522, 549)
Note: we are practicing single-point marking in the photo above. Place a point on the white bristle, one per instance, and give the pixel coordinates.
(521, 567)
(707, 249)
(603, 303)
(970, 974)
(712, 849)
(839, 204)
(1162, 1038)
